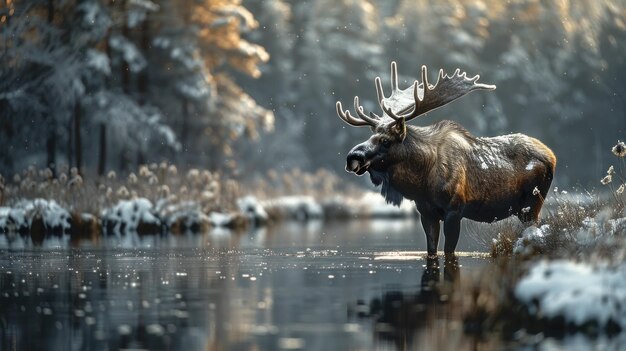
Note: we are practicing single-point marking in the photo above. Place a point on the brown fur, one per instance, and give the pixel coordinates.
(451, 174)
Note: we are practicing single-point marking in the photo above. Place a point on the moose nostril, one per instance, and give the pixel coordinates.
(354, 161)
(353, 165)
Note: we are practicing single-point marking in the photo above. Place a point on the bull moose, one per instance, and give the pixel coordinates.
(449, 173)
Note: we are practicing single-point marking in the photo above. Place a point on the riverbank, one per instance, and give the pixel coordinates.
(157, 200)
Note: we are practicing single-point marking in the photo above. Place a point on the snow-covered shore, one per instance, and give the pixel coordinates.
(29, 221)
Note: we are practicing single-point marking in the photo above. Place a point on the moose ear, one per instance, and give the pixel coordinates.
(399, 128)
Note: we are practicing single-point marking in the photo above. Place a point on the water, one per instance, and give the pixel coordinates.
(356, 285)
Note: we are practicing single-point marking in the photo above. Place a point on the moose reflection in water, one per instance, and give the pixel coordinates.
(431, 316)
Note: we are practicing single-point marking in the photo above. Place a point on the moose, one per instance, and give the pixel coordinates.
(449, 173)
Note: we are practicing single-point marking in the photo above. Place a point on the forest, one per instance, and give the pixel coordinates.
(173, 175)
(244, 87)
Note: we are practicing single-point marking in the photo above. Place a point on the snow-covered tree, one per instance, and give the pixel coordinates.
(337, 57)
(41, 78)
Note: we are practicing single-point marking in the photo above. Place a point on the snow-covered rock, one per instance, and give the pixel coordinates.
(136, 215)
(252, 208)
(577, 292)
(220, 220)
(231, 220)
(12, 220)
(182, 216)
(54, 217)
(295, 207)
(531, 240)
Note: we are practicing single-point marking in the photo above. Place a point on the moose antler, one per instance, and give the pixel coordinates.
(416, 100)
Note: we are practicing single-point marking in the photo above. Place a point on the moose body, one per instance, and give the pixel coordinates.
(449, 173)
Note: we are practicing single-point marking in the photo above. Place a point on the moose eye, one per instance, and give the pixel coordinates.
(385, 142)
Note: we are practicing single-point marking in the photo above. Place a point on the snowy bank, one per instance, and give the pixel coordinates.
(578, 294)
(294, 207)
(252, 208)
(373, 205)
(531, 241)
(369, 205)
(181, 217)
(131, 216)
(42, 217)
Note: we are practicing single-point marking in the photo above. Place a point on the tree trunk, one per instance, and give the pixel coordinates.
(50, 11)
(70, 140)
(51, 145)
(184, 131)
(51, 138)
(125, 66)
(102, 156)
(142, 79)
(78, 148)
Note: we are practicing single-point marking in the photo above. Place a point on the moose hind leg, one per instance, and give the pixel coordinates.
(533, 200)
(451, 229)
(431, 228)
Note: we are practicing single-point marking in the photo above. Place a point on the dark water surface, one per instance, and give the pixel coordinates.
(357, 285)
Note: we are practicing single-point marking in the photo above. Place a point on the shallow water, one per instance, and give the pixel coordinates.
(357, 285)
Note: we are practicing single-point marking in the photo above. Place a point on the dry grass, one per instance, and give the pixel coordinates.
(156, 182)
(585, 227)
(321, 184)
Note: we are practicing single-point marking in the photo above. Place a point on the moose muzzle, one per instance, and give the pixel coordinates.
(356, 161)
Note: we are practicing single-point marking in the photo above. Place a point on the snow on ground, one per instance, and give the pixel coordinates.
(578, 292)
(221, 220)
(252, 208)
(21, 216)
(187, 214)
(128, 215)
(12, 219)
(373, 205)
(53, 215)
(295, 207)
(531, 240)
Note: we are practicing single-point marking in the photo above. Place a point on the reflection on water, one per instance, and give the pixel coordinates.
(356, 285)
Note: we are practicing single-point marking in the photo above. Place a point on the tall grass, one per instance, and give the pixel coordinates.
(156, 182)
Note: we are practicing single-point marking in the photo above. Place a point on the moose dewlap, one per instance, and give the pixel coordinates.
(449, 173)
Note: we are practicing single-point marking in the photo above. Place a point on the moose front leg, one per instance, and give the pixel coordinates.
(431, 228)
(451, 229)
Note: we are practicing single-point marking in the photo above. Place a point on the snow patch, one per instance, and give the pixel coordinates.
(531, 165)
(131, 54)
(489, 151)
(372, 205)
(221, 220)
(531, 240)
(187, 214)
(578, 292)
(12, 220)
(54, 217)
(295, 207)
(252, 208)
(99, 61)
(128, 215)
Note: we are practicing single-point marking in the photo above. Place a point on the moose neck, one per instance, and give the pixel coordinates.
(406, 178)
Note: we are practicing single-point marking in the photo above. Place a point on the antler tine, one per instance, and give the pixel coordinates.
(394, 76)
(348, 118)
(372, 118)
(379, 90)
